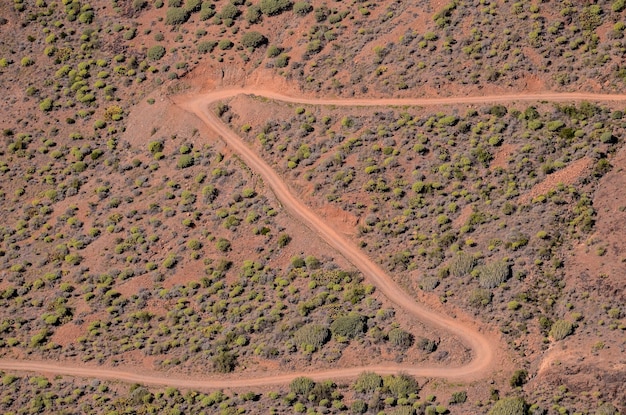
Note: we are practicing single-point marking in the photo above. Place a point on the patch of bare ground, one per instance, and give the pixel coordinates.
(501, 158)
(466, 211)
(70, 332)
(599, 262)
(582, 371)
(566, 176)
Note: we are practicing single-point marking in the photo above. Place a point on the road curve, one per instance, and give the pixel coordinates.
(483, 350)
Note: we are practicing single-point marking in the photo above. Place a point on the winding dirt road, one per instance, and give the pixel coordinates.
(483, 362)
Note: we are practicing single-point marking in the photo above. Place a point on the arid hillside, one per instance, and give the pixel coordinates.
(170, 245)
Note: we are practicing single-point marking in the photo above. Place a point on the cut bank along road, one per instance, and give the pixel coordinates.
(483, 350)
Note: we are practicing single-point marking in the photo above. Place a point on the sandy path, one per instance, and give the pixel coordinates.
(483, 349)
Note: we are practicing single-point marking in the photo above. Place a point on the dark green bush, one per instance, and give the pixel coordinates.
(606, 409)
(176, 16)
(273, 51)
(206, 11)
(192, 6)
(426, 345)
(458, 398)
(253, 14)
(509, 406)
(224, 362)
(461, 265)
(229, 11)
(401, 385)
(273, 7)
(518, 378)
(561, 329)
(156, 52)
(400, 338)
(367, 382)
(282, 60)
(480, 297)
(207, 46)
(222, 244)
(350, 326)
(283, 240)
(185, 160)
(139, 4)
(302, 8)
(253, 40)
(358, 407)
(225, 44)
(302, 386)
(494, 274)
(312, 335)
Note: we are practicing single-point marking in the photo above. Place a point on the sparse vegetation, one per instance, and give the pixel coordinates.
(475, 207)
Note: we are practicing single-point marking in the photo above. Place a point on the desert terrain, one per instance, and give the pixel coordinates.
(312, 207)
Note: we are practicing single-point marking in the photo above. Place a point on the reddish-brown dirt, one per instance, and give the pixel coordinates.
(565, 176)
(485, 348)
(501, 158)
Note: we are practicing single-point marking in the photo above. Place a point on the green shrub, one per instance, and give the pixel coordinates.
(461, 265)
(314, 46)
(274, 7)
(27, 61)
(400, 338)
(130, 34)
(192, 6)
(401, 385)
(206, 11)
(229, 11)
(46, 105)
(39, 338)
(253, 40)
(509, 406)
(207, 46)
(253, 14)
(428, 283)
(194, 244)
(176, 16)
(458, 398)
(426, 345)
(561, 329)
(606, 409)
(224, 362)
(225, 44)
(312, 262)
(73, 259)
(283, 240)
(170, 262)
(297, 262)
(367, 382)
(222, 244)
(302, 386)
(302, 8)
(518, 379)
(184, 161)
(494, 274)
(282, 60)
(209, 192)
(358, 407)
(139, 4)
(348, 326)
(273, 51)
(155, 147)
(156, 52)
(312, 335)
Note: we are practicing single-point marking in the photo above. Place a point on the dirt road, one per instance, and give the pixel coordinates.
(483, 362)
